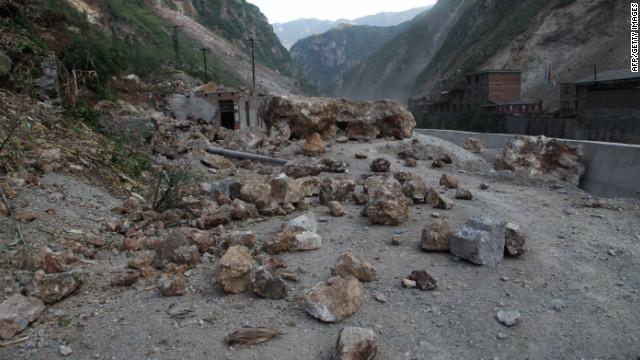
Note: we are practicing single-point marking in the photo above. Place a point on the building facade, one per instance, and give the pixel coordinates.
(612, 89)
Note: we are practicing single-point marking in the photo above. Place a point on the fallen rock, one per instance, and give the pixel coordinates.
(334, 300)
(172, 286)
(380, 165)
(514, 240)
(279, 242)
(474, 144)
(342, 140)
(306, 222)
(233, 271)
(266, 283)
(508, 318)
(356, 343)
(24, 215)
(360, 130)
(481, 241)
(335, 208)
(300, 168)
(279, 136)
(387, 210)
(432, 197)
(361, 155)
(312, 145)
(336, 190)
(410, 162)
(360, 197)
(542, 156)
(273, 262)
(396, 239)
(306, 240)
(17, 312)
(245, 238)
(140, 259)
(51, 288)
(309, 185)
(216, 161)
(127, 278)
(241, 210)
(255, 190)
(449, 181)
(176, 248)
(444, 202)
(464, 194)
(436, 236)
(415, 189)
(353, 264)
(409, 284)
(423, 279)
(210, 221)
(54, 262)
(285, 190)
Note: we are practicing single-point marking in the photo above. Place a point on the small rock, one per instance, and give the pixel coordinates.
(508, 318)
(423, 279)
(334, 300)
(514, 240)
(409, 284)
(140, 259)
(435, 215)
(17, 312)
(335, 208)
(484, 186)
(54, 262)
(432, 197)
(51, 288)
(24, 216)
(410, 162)
(361, 155)
(273, 262)
(342, 140)
(464, 194)
(444, 202)
(449, 181)
(481, 241)
(279, 242)
(266, 283)
(65, 350)
(353, 264)
(380, 297)
(125, 279)
(356, 344)
(436, 236)
(312, 145)
(360, 198)
(380, 165)
(306, 240)
(172, 286)
(396, 239)
(245, 238)
(306, 222)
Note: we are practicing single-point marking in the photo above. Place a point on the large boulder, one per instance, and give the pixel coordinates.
(308, 115)
(334, 300)
(233, 271)
(481, 241)
(17, 312)
(542, 156)
(353, 264)
(436, 236)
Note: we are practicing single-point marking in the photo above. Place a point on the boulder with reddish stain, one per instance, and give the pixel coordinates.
(334, 300)
(17, 312)
(353, 264)
(54, 262)
(233, 272)
(356, 343)
(360, 130)
(312, 145)
(436, 236)
(542, 156)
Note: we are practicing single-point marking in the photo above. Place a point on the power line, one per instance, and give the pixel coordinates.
(253, 60)
(176, 46)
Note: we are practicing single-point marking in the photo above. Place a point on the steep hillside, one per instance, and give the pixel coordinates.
(568, 37)
(290, 32)
(327, 56)
(390, 72)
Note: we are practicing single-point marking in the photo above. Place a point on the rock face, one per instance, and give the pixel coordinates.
(266, 283)
(334, 300)
(308, 115)
(542, 156)
(481, 241)
(436, 236)
(352, 264)
(17, 312)
(233, 271)
(356, 344)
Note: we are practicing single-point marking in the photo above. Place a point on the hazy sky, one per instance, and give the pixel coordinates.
(279, 11)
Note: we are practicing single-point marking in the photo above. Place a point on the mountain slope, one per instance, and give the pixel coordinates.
(390, 72)
(327, 56)
(290, 32)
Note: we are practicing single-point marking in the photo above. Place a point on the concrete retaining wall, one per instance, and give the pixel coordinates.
(612, 170)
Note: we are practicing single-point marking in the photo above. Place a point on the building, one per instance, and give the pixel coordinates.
(236, 109)
(612, 89)
(491, 90)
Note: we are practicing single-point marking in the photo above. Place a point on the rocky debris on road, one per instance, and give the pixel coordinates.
(172, 286)
(353, 264)
(464, 194)
(17, 312)
(423, 280)
(312, 145)
(266, 282)
(514, 240)
(481, 241)
(436, 236)
(335, 208)
(474, 144)
(509, 318)
(126, 278)
(178, 249)
(380, 165)
(340, 190)
(233, 271)
(542, 156)
(245, 238)
(356, 343)
(307, 115)
(300, 168)
(334, 300)
(305, 222)
(413, 187)
(449, 181)
(215, 161)
(387, 204)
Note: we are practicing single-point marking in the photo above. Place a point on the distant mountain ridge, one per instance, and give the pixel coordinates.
(292, 31)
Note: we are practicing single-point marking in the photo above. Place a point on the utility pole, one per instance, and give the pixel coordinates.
(174, 37)
(204, 57)
(253, 60)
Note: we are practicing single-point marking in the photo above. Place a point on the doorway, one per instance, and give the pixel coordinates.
(227, 118)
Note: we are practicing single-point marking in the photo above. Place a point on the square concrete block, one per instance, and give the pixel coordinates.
(481, 241)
